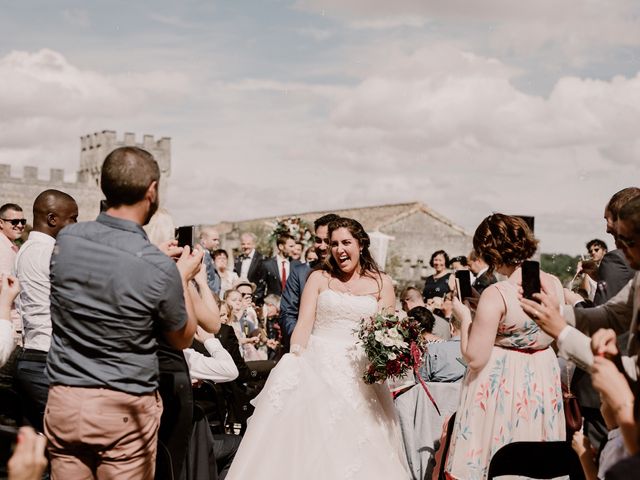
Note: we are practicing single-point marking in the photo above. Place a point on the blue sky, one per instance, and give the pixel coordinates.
(282, 106)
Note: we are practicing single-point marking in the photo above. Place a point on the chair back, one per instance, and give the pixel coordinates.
(536, 460)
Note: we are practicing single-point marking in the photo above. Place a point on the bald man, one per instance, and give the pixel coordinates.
(52, 211)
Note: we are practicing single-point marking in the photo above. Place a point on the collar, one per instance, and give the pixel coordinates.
(4, 239)
(250, 256)
(482, 271)
(41, 237)
(121, 224)
(281, 259)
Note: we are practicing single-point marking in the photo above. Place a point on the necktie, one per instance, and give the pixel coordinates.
(283, 275)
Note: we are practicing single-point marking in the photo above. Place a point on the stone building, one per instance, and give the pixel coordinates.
(411, 231)
(86, 187)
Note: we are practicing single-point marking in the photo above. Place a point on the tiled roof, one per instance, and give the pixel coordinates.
(372, 218)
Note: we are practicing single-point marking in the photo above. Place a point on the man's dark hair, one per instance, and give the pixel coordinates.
(218, 252)
(619, 199)
(424, 316)
(126, 175)
(596, 242)
(462, 259)
(630, 213)
(325, 220)
(283, 238)
(9, 206)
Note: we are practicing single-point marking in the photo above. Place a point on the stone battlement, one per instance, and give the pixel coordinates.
(30, 175)
(108, 137)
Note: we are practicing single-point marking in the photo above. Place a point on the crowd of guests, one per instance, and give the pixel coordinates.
(138, 358)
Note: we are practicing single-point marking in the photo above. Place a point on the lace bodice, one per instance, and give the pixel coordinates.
(339, 313)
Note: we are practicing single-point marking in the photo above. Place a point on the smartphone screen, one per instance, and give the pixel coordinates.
(184, 235)
(530, 278)
(463, 278)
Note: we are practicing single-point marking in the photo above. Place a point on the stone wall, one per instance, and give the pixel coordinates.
(23, 189)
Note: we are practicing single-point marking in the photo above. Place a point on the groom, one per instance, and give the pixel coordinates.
(290, 302)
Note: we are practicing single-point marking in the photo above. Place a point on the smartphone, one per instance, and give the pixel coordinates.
(184, 235)
(530, 278)
(463, 281)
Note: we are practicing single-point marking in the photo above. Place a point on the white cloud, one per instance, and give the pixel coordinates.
(574, 26)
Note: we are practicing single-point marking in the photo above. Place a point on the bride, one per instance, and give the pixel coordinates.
(316, 419)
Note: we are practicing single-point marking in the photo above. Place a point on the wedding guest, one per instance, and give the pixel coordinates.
(52, 211)
(246, 330)
(509, 359)
(290, 302)
(278, 268)
(272, 331)
(443, 361)
(227, 276)
(458, 263)
(296, 254)
(437, 285)
(105, 319)
(609, 453)
(411, 298)
(249, 265)
(12, 223)
(209, 240)
(483, 277)
(310, 255)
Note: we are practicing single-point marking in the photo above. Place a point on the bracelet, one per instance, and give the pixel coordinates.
(296, 349)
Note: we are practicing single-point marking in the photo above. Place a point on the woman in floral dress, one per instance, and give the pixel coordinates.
(511, 390)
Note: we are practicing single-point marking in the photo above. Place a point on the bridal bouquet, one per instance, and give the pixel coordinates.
(394, 347)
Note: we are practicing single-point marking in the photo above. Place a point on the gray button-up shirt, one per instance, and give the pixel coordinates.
(112, 293)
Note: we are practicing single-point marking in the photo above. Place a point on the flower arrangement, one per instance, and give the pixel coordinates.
(294, 226)
(394, 347)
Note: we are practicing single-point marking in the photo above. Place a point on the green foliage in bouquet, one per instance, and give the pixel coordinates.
(393, 346)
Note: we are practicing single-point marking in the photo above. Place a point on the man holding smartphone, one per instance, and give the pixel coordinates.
(112, 292)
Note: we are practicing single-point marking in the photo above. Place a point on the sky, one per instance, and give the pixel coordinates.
(283, 106)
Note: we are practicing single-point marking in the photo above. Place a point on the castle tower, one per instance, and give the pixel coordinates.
(96, 146)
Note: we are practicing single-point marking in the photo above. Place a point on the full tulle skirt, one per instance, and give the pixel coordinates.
(316, 419)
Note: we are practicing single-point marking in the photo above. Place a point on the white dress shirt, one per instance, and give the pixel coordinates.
(246, 263)
(219, 367)
(6, 340)
(32, 270)
(287, 268)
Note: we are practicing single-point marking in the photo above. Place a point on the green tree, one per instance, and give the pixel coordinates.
(561, 265)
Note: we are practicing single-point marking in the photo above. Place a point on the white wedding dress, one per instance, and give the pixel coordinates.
(316, 419)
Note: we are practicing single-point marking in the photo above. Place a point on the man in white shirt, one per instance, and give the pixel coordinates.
(12, 223)
(52, 211)
(249, 265)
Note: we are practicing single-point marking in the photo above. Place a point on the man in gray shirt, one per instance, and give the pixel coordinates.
(112, 293)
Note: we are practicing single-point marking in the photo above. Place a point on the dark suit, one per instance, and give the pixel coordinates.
(614, 273)
(255, 274)
(290, 301)
(484, 280)
(272, 274)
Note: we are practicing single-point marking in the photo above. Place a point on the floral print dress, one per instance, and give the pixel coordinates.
(515, 397)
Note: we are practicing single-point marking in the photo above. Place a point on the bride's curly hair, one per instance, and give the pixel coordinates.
(504, 240)
(368, 266)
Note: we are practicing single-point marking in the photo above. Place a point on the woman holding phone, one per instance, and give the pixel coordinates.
(511, 390)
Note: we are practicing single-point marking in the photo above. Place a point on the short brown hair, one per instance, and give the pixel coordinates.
(619, 199)
(127, 173)
(504, 240)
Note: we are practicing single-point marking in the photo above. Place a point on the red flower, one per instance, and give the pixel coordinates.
(394, 367)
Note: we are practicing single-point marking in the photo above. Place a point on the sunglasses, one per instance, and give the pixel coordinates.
(15, 221)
